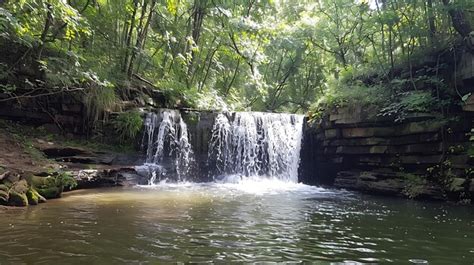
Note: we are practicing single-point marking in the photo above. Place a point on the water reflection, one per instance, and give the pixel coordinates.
(233, 222)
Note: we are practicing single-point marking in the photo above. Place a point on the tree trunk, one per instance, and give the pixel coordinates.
(44, 33)
(141, 36)
(199, 12)
(128, 37)
(460, 21)
(431, 22)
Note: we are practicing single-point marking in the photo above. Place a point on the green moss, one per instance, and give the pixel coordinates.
(37, 181)
(32, 196)
(17, 199)
(4, 187)
(52, 186)
(50, 192)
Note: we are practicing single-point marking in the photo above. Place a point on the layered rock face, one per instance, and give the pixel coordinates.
(423, 156)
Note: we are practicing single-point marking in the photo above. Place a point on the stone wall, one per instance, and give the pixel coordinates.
(60, 112)
(354, 148)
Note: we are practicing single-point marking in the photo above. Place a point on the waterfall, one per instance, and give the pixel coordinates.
(168, 150)
(229, 146)
(257, 144)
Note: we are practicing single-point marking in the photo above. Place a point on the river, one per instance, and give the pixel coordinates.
(251, 221)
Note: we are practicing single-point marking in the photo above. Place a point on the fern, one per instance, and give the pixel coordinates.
(97, 100)
(128, 125)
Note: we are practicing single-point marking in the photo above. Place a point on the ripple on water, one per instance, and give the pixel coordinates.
(252, 221)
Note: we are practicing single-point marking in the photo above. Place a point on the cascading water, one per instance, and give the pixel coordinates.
(168, 150)
(242, 146)
(255, 144)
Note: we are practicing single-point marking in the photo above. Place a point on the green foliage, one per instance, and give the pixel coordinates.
(243, 55)
(128, 125)
(442, 174)
(350, 93)
(60, 179)
(414, 185)
(97, 100)
(395, 97)
(470, 149)
(52, 186)
(65, 179)
(409, 102)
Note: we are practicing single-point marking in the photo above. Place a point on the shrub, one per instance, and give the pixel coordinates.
(128, 125)
(414, 185)
(53, 186)
(409, 102)
(353, 93)
(98, 99)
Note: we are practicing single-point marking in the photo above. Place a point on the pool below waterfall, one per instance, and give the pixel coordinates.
(249, 221)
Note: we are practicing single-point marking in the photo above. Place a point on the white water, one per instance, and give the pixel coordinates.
(257, 145)
(167, 138)
(250, 149)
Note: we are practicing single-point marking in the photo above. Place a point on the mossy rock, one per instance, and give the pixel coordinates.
(38, 181)
(4, 197)
(20, 187)
(4, 187)
(3, 174)
(12, 178)
(34, 197)
(50, 192)
(17, 199)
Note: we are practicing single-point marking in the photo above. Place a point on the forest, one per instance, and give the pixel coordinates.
(243, 131)
(260, 55)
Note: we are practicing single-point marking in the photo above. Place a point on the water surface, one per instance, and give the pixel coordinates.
(246, 222)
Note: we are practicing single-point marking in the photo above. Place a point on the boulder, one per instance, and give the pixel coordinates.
(50, 192)
(4, 187)
(12, 178)
(4, 197)
(16, 194)
(17, 199)
(4, 175)
(20, 187)
(32, 197)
